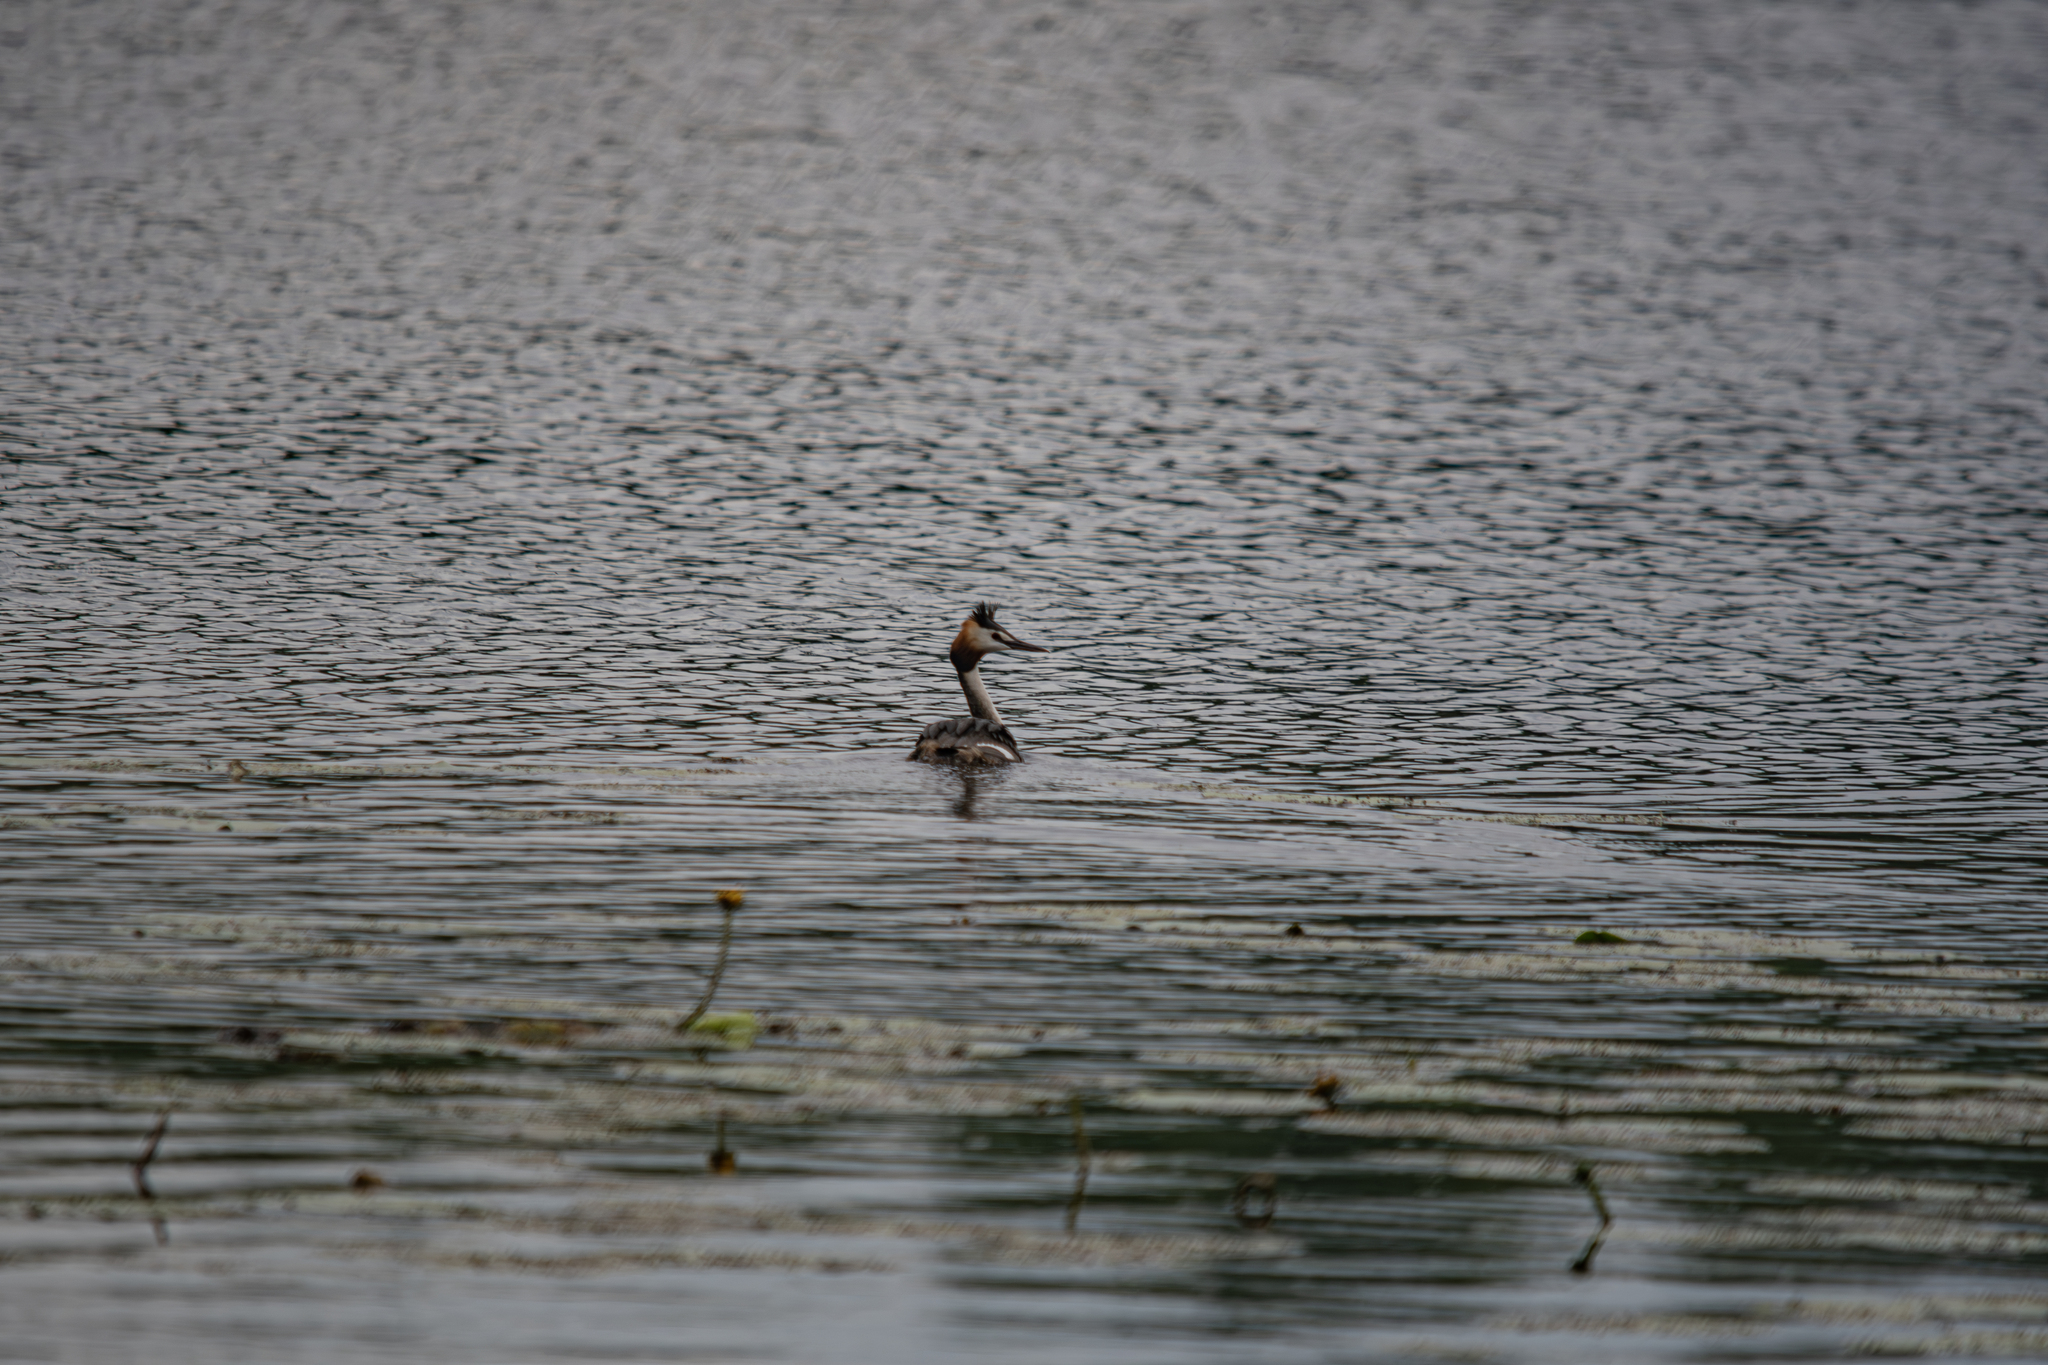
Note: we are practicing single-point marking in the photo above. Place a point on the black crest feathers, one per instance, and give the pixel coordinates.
(985, 615)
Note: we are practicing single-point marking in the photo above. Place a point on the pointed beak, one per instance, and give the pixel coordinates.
(1016, 643)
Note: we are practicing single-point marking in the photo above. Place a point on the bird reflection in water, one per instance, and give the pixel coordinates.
(970, 795)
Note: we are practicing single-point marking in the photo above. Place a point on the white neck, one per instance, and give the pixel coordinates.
(978, 699)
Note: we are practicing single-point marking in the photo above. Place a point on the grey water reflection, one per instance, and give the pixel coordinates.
(480, 479)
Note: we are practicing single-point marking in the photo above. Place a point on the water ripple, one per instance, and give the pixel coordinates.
(474, 481)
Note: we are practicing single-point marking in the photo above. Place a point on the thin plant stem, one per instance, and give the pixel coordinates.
(139, 1169)
(1584, 1176)
(1081, 1163)
(729, 900)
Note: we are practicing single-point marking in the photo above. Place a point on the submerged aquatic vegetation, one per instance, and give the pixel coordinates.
(614, 1261)
(1217, 1102)
(1634, 1126)
(1590, 1134)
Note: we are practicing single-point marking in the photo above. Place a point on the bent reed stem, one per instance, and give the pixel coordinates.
(729, 900)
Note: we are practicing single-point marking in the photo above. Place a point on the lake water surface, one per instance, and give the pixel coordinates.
(479, 479)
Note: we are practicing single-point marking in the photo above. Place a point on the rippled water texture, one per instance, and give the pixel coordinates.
(480, 478)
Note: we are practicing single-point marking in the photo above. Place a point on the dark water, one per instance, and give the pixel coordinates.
(546, 448)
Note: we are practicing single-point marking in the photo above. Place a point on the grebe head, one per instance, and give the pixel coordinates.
(980, 635)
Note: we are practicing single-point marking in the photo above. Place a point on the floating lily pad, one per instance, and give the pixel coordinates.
(730, 1029)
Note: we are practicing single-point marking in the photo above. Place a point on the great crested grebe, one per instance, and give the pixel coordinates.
(981, 737)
